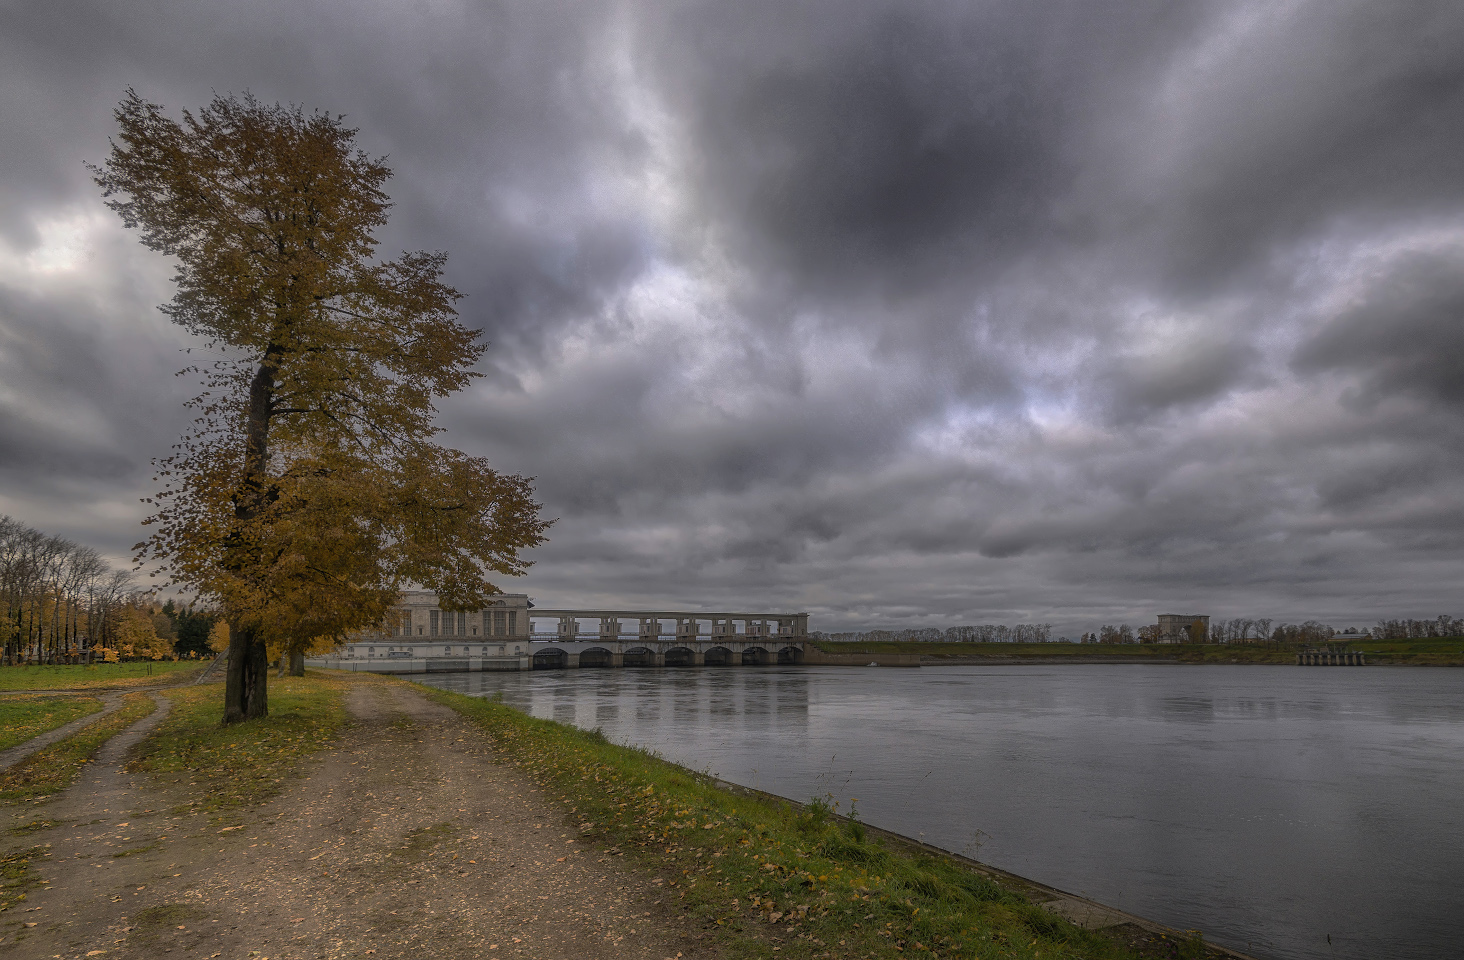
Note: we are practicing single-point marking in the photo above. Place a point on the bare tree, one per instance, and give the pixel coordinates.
(53, 594)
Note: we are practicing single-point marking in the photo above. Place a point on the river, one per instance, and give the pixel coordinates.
(1269, 807)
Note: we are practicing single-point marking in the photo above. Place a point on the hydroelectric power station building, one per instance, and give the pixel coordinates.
(422, 637)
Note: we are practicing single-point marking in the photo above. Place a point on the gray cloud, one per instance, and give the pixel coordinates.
(1403, 332)
(896, 312)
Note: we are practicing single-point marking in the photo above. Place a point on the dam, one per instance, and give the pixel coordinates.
(420, 636)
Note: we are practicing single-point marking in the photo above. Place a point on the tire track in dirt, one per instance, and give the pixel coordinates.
(103, 791)
(407, 840)
(111, 702)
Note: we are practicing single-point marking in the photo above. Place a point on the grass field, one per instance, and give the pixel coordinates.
(96, 675)
(1446, 651)
(22, 718)
(1443, 651)
(765, 872)
(51, 769)
(234, 766)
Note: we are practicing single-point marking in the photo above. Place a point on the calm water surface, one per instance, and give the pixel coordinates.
(1265, 806)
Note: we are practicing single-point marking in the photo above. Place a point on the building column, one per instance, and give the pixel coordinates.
(698, 657)
(658, 658)
(571, 661)
(617, 658)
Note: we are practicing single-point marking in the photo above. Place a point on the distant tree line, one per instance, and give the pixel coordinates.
(983, 633)
(1244, 629)
(1259, 630)
(61, 602)
(1442, 626)
(1236, 630)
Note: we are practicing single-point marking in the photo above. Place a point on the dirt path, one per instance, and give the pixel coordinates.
(406, 841)
(17, 753)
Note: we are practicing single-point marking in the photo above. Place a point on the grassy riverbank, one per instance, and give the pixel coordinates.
(1434, 652)
(775, 879)
(755, 875)
(96, 676)
(1442, 652)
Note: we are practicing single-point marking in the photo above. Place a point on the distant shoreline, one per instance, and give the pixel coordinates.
(1133, 661)
(1436, 652)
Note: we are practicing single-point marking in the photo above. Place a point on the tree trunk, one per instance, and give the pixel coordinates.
(246, 687)
(297, 663)
(246, 684)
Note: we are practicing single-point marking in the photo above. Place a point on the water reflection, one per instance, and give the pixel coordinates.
(1267, 806)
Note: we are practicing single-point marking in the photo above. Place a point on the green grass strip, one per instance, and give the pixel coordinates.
(52, 769)
(23, 718)
(766, 874)
(247, 763)
(96, 676)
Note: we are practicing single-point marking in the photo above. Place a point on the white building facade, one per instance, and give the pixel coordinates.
(420, 636)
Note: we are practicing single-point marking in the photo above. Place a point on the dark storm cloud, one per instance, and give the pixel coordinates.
(920, 311)
(1404, 332)
(919, 137)
(1338, 112)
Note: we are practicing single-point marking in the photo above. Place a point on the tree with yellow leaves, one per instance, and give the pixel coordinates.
(309, 491)
(137, 633)
(218, 636)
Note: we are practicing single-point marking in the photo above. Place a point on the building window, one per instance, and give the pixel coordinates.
(500, 623)
(447, 649)
(513, 623)
(462, 619)
(432, 620)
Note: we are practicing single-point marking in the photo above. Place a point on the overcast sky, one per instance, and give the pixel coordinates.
(901, 313)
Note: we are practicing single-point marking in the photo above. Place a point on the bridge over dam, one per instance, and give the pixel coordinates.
(622, 638)
(421, 636)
